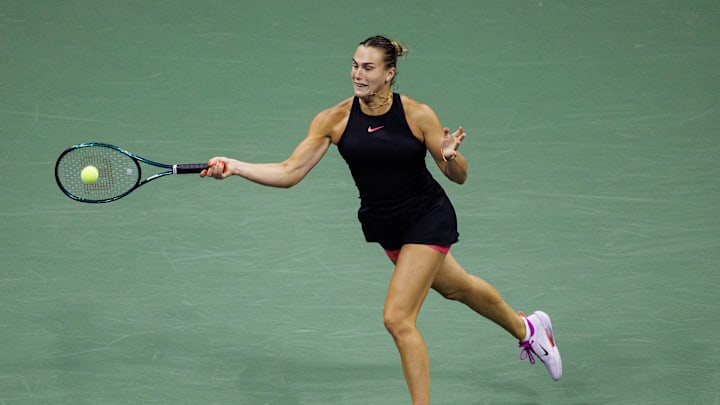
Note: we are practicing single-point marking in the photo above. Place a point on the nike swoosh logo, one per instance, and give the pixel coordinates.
(545, 350)
(371, 129)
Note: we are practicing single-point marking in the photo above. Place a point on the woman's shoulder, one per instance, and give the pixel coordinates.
(415, 109)
(336, 112)
(342, 107)
(331, 121)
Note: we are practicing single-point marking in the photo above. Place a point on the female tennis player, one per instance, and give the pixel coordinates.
(384, 137)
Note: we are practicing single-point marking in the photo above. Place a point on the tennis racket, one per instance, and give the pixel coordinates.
(118, 172)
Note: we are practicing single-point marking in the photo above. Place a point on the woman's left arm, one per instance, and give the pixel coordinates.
(443, 145)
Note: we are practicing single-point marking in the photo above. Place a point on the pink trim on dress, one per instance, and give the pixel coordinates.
(394, 254)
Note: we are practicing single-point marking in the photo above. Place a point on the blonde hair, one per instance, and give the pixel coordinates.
(391, 49)
(400, 49)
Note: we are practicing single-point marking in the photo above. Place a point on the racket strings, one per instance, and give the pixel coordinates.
(105, 182)
(117, 173)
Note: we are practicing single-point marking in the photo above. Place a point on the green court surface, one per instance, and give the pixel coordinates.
(594, 195)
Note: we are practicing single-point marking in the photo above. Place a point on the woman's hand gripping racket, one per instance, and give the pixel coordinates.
(99, 172)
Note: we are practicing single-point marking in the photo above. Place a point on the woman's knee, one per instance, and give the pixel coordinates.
(397, 323)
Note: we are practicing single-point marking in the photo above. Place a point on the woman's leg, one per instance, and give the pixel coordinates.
(415, 270)
(453, 282)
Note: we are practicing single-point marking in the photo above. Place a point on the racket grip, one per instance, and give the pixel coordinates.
(189, 168)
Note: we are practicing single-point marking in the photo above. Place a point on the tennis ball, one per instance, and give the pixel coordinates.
(89, 174)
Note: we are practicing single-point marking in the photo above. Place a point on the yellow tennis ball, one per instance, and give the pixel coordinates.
(89, 174)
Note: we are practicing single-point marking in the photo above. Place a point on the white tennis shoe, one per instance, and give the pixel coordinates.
(541, 343)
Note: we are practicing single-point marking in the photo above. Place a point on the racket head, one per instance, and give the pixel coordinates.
(118, 172)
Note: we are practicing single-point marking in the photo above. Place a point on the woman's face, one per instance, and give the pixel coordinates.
(368, 73)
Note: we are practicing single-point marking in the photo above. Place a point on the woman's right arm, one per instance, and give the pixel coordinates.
(289, 172)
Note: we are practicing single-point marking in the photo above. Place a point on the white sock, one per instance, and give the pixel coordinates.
(528, 329)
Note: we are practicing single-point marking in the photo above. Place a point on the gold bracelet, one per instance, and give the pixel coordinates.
(454, 155)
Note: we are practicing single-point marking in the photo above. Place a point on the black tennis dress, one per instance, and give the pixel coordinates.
(400, 201)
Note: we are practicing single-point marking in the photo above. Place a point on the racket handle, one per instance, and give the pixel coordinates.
(189, 168)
